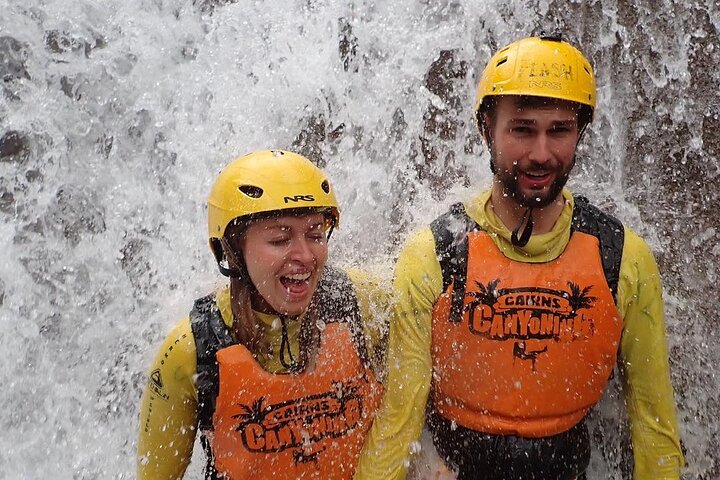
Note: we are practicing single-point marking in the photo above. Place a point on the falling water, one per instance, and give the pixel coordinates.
(115, 117)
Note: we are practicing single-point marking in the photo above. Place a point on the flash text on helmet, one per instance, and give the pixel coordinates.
(536, 70)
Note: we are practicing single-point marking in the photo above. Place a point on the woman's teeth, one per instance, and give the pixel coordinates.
(298, 277)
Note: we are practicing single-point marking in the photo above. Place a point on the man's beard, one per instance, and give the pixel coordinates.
(511, 187)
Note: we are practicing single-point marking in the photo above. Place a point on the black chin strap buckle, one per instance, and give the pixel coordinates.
(527, 231)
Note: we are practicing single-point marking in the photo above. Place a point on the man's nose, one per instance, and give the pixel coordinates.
(540, 151)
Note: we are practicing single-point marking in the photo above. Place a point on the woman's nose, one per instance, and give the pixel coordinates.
(301, 251)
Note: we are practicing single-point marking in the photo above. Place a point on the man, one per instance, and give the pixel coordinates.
(513, 309)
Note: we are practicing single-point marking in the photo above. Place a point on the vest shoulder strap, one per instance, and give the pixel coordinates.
(337, 302)
(609, 231)
(211, 334)
(451, 247)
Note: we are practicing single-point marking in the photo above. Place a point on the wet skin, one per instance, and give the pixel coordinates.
(285, 257)
(533, 149)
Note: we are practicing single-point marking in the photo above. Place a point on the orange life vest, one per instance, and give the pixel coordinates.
(304, 426)
(536, 345)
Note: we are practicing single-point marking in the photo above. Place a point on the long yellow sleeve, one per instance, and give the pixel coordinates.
(168, 411)
(644, 362)
(399, 422)
(643, 351)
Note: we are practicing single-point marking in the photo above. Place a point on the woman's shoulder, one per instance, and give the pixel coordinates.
(180, 341)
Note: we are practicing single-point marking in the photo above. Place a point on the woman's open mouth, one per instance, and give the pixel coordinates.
(296, 284)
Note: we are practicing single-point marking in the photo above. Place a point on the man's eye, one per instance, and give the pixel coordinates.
(279, 241)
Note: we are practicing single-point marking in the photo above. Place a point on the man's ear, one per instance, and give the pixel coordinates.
(488, 132)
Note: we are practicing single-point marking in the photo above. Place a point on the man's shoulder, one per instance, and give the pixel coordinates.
(635, 246)
(584, 210)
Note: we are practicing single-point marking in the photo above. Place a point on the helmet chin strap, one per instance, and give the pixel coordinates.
(224, 264)
(527, 231)
(226, 270)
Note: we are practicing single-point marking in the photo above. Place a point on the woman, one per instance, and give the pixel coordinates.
(274, 370)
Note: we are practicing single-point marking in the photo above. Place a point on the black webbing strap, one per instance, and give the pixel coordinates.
(210, 334)
(337, 302)
(451, 247)
(609, 231)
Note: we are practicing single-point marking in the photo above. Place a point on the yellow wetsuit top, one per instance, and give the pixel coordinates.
(643, 350)
(168, 413)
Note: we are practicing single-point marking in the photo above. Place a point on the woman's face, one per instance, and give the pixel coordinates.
(285, 257)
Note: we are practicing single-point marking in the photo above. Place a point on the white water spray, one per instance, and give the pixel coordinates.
(115, 117)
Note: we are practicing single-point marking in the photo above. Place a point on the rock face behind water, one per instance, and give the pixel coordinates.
(13, 55)
(116, 116)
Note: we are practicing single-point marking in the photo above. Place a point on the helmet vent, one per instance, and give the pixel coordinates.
(251, 191)
(325, 185)
(501, 61)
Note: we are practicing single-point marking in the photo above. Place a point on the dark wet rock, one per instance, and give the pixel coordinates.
(134, 262)
(60, 42)
(397, 129)
(105, 145)
(347, 46)
(77, 212)
(51, 327)
(14, 146)
(140, 126)
(310, 139)
(10, 93)
(13, 58)
(443, 75)
(34, 175)
(132, 252)
(73, 86)
(189, 51)
(711, 135)
(436, 166)
(7, 201)
(315, 136)
(209, 6)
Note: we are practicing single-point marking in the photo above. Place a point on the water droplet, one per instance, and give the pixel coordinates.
(415, 448)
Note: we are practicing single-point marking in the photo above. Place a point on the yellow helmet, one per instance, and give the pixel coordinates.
(539, 66)
(267, 181)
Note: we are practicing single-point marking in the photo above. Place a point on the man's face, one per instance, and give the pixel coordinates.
(533, 149)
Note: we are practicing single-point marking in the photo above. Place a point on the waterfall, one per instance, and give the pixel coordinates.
(115, 118)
